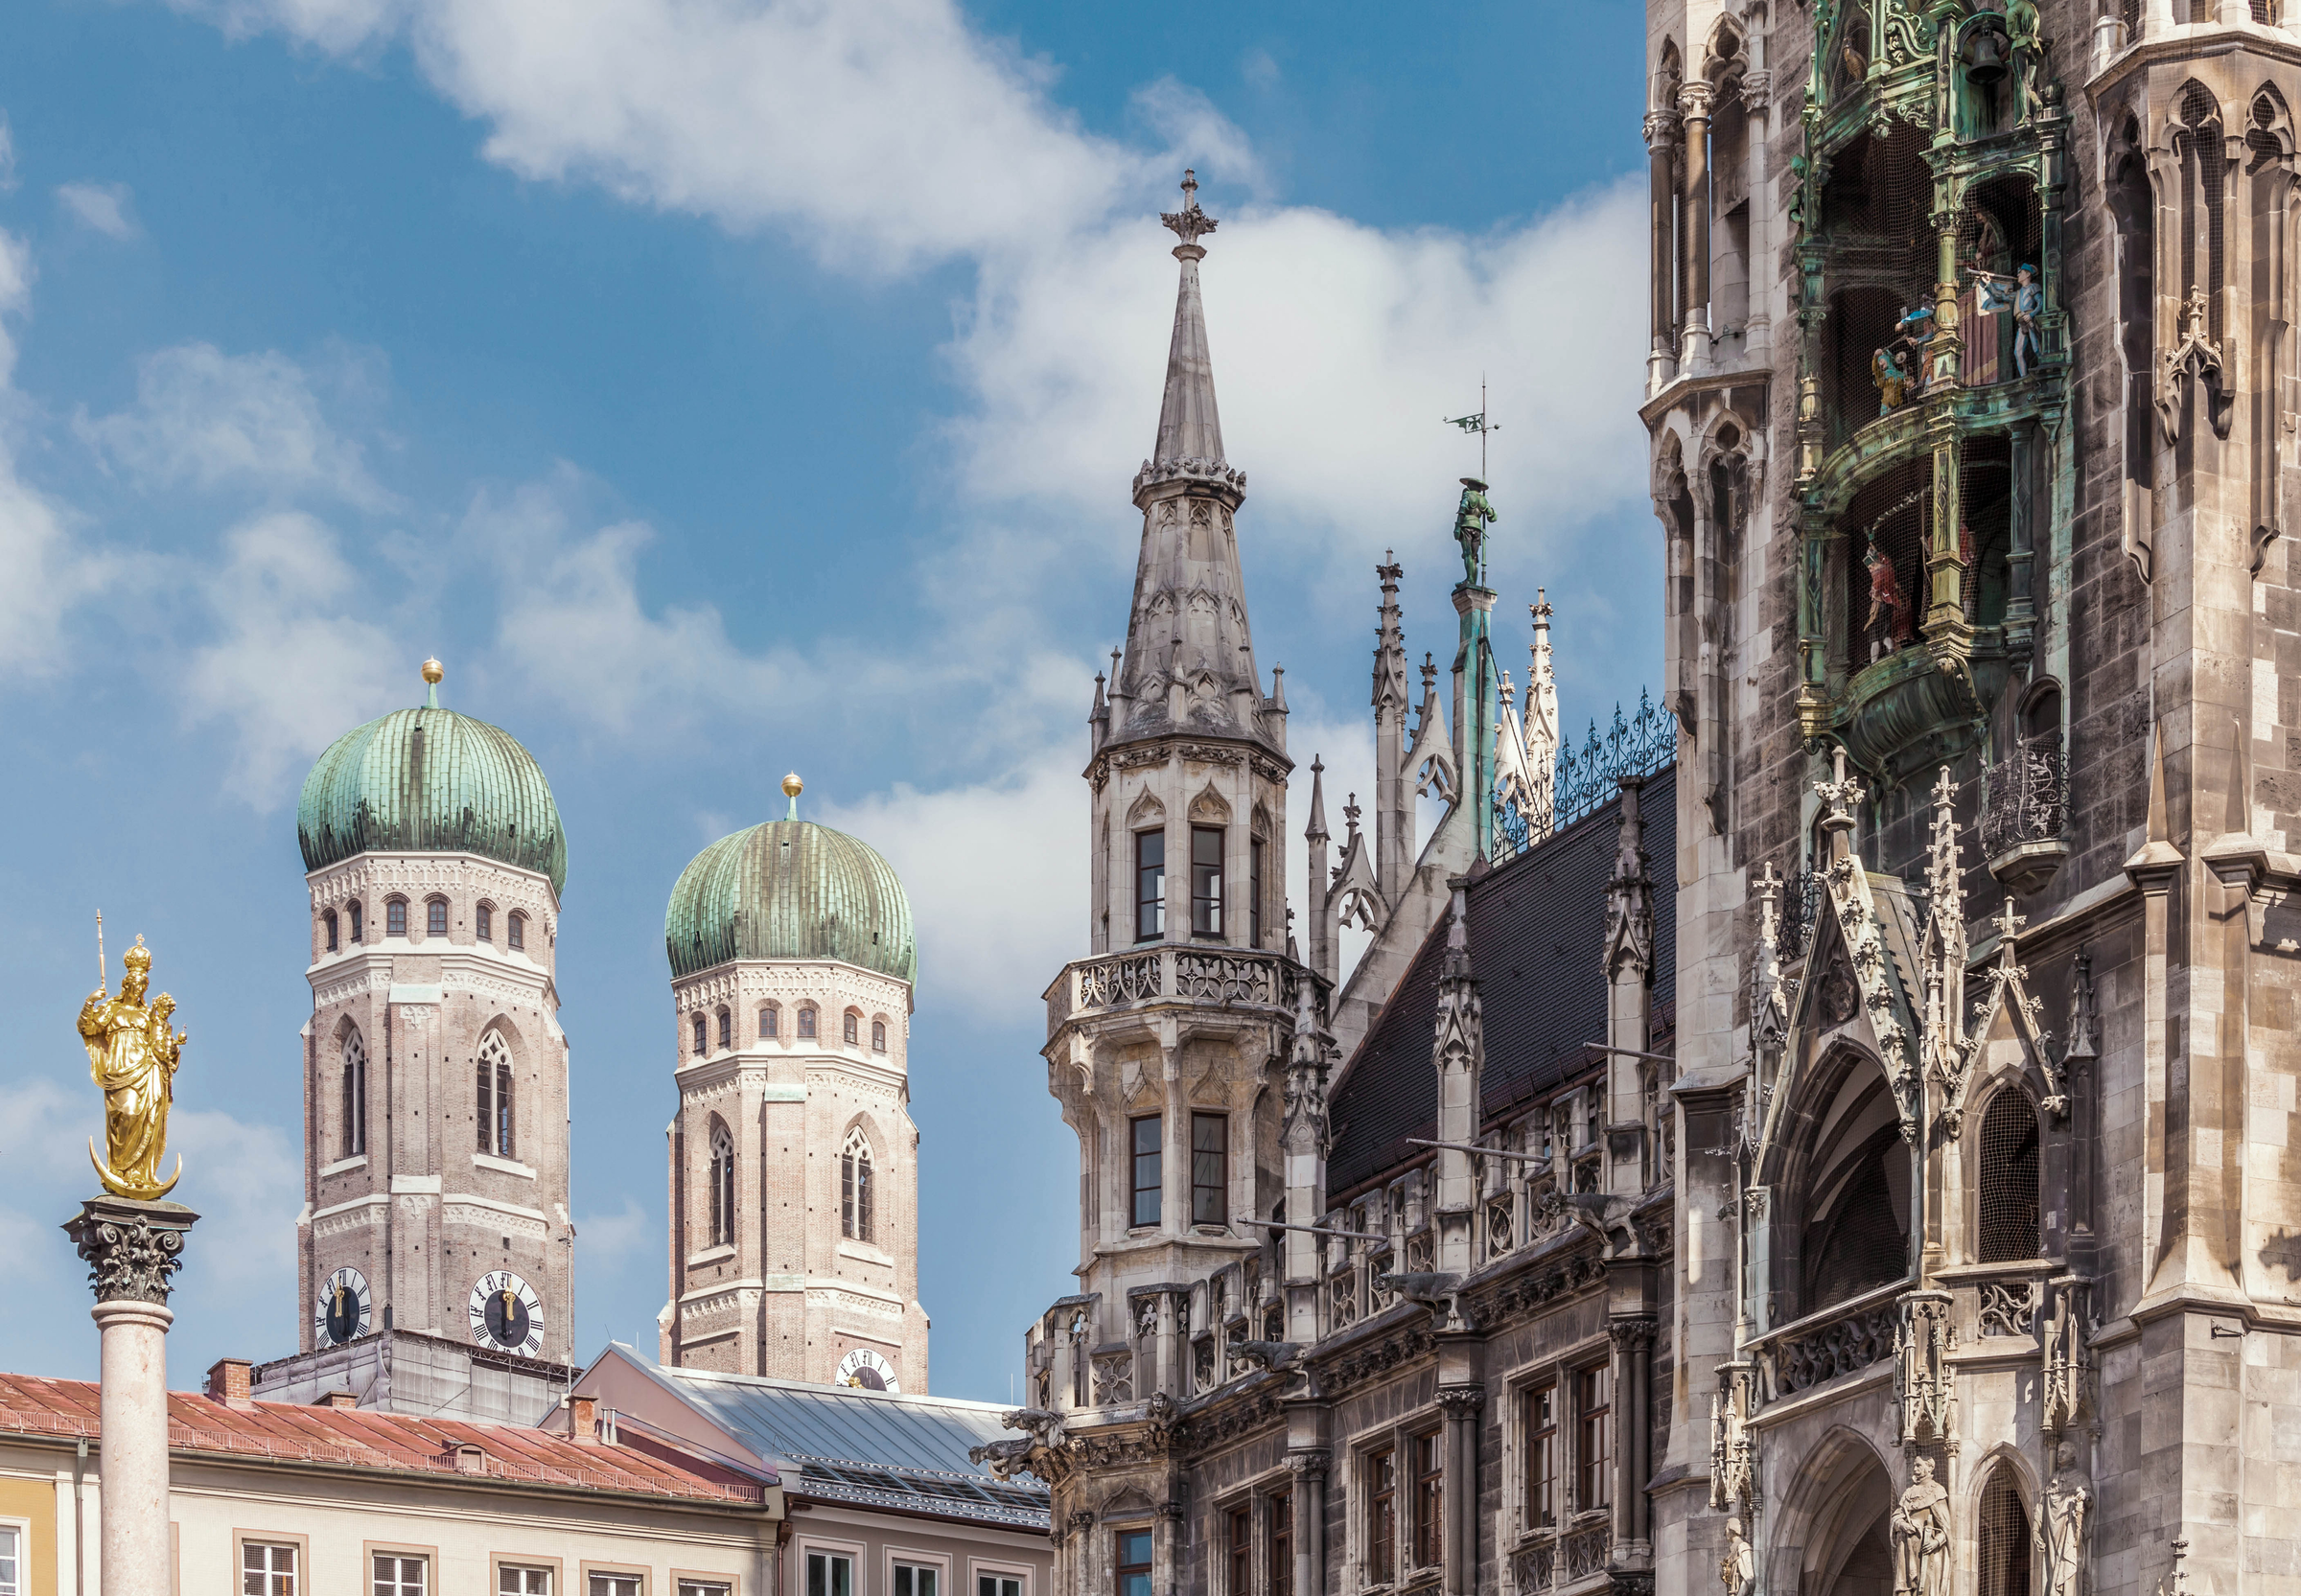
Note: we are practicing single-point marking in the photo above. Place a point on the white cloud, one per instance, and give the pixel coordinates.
(7, 157)
(215, 421)
(100, 207)
(609, 1242)
(292, 661)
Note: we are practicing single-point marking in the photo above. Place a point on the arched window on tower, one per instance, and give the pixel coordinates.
(518, 931)
(723, 1184)
(328, 920)
(2006, 1224)
(355, 1095)
(848, 1032)
(701, 1038)
(727, 1028)
(854, 1187)
(435, 918)
(807, 1020)
(353, 910)
(395, 917)
(2003, 1550)
(769, 1018)
(878, 1036)
(495, 1097)
(483, 923)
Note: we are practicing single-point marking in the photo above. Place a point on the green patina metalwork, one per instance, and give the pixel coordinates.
(1883, 61)
(431, 780)
(790, 889)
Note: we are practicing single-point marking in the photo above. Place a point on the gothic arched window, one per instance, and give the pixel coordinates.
(495, 1097)
(702, 1036)
(483, 923)
(2006, 1226)
(727, 1028)
(854, 1187)
(353, 910)
(355, 1095)
(806, 1021)
(518, 931)
(723, 1184)
(395, 917)
(848, 1029)
(329, 922)
(2003, 1542)
(878, 1036)
(435, 918)
(768, 1022)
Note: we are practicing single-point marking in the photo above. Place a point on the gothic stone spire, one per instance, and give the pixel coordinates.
(1189, 667)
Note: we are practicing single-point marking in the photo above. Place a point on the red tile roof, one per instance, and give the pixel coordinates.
(364, 1439)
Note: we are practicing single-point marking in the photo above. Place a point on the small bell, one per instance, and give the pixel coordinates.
(1985, 56)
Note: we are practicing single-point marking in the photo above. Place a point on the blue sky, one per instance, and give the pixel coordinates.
(721, 388)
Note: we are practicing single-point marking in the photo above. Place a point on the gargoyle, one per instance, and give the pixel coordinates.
(1604, 1214)
(1004, 1457)
(1440, 1293)
(1046, 1428)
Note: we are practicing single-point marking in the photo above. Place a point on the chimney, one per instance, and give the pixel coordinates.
(227, 1382)
(584, 1421)
(338, 1398)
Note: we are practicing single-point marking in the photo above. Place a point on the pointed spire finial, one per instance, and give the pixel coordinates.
(1190, 224)
(1316, 832)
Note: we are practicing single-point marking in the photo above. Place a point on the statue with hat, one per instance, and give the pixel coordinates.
(1472, 518)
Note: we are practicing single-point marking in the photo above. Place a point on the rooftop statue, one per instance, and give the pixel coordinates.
(133, 1055)
(1471, 520)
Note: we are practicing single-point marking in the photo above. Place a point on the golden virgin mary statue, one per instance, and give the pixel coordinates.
(133, 1054)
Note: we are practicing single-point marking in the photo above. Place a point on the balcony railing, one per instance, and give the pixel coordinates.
(1849, 1335)
(1174, 972)
(2023, 827)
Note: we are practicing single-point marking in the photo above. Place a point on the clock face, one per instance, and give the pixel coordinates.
(506, 1314)
(342, 1312)
(867, 1370)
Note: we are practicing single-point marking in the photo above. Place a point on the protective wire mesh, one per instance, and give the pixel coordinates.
(2201, 202)
(1877, 220)
(1862, 1243)
(1985, 498)
(2003, 1542)
(1999, 231)
(1884, 600)
(2008, 1179)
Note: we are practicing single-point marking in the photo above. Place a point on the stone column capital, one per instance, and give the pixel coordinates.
(1693, 100)
(130, 1247)
(1662, 128)
(1631, 1334)
(1461, 1402)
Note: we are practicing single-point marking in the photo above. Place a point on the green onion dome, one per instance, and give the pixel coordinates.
(790, 889)
(431, 780)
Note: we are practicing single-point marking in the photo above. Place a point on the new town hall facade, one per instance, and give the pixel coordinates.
(1831, 1136)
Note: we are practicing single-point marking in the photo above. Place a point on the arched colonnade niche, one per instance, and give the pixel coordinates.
(1834, 1537)
(1844, 1174)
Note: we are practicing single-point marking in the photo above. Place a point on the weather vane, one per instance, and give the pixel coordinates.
(1477, 423)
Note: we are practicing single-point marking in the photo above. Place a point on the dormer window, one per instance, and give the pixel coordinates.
(807, 1022)
(328, 920)
(395, 917)
(483, 923)
(518, 931)
(435, 918)
(701, 1038)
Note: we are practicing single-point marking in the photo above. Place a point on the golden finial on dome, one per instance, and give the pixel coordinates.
(792, 788)
(434, 672)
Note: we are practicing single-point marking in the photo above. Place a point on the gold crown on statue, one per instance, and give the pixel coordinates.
(137, 958)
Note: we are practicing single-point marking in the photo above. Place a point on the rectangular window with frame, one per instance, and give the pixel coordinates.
(1279, 1510)
(1382, 1516)
(522, 1579)
(400, 1576)
(395, 917)
(767, 1017)
(435, 918)
(1539, 1411)
(483, 923)
(11, 1561)
(1134, 1563)
(356, 914)
(830, 1574)
(998, 1584)
(1241, 1552)
(518, 932)
(1144, 1134)
(1210, 1169)
(918, 1579)
(1150, 886)
(1206, 881)
(329, 919)
(267, 1568)
(706, 1587)
(617, 1585)
(1254, 892)
(1430, 1500)
(1593, 1438)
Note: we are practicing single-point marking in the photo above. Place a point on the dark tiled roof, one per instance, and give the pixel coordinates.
(364, 1439)
(1537, 932)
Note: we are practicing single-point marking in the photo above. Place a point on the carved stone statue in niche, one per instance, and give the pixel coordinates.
(2062, 1526)
(1920, 1531)
(1737, 1569)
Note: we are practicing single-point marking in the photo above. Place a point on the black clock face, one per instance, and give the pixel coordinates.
(343, 1314)
(345, 1311)
(506, 1318)
(507, 1315)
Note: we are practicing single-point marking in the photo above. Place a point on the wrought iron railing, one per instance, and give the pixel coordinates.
(1582, 781)
(1800, 908)
(1178, 971)
(2029, 796)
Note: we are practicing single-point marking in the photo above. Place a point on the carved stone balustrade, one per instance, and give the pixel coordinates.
(1197, 976)
(1840, 1339)
(2023, 827)
(1554, 1561)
